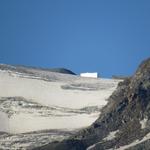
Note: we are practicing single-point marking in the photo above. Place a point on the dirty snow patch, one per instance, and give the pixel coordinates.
(92, 146)
(143, 123)
(111, 135)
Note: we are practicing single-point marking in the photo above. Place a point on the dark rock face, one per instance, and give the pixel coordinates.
(127, 106)
(62, 70)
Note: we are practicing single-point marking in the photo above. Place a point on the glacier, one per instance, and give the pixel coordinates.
(47, 105)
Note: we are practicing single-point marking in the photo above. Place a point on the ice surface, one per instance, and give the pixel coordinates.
(31, 123)
(43, 100)
(51, 93)
(4, 122)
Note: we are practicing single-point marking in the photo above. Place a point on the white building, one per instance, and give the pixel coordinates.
(90, 75)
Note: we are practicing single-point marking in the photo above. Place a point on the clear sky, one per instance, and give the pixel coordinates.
(108, 36)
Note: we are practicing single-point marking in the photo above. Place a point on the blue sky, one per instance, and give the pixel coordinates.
(108, 36)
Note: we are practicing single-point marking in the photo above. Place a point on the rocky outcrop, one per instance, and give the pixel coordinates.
(123, 121)
(62, 70)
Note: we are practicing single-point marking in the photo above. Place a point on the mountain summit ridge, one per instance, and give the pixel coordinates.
(27, 69)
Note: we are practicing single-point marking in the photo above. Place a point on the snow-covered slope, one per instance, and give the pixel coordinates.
(34, 100)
